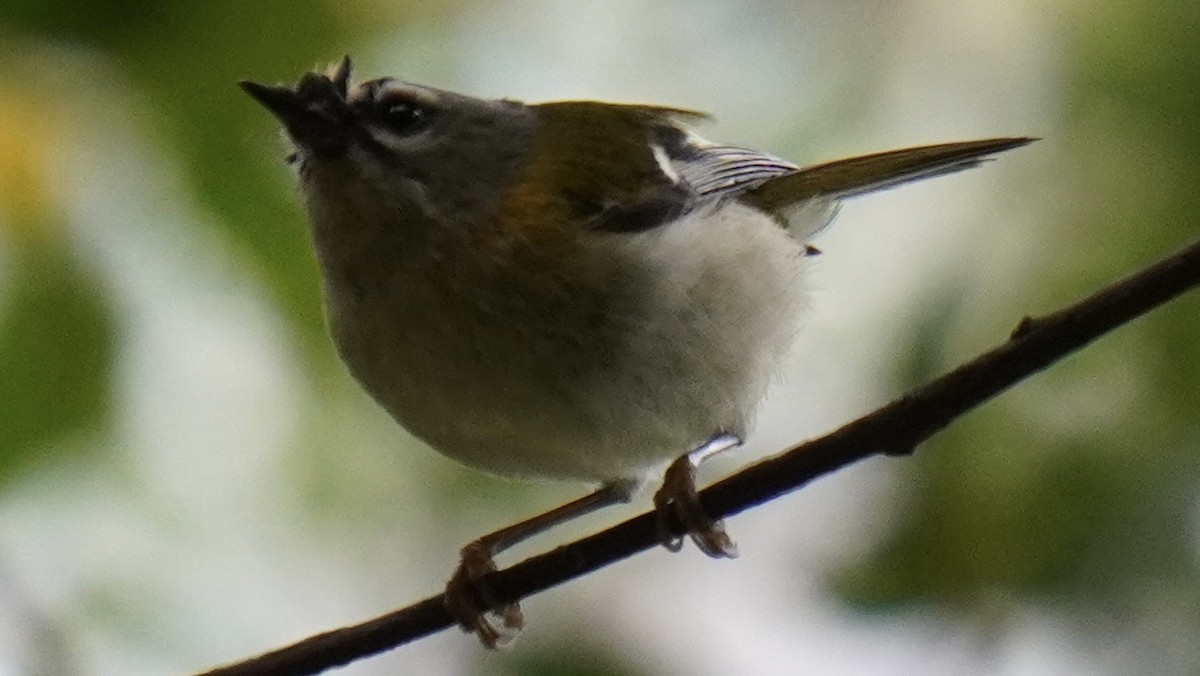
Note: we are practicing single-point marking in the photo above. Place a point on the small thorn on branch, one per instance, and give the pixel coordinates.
(900, 450)
(1023, 327)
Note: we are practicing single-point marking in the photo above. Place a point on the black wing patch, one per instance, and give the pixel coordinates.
(659, 207)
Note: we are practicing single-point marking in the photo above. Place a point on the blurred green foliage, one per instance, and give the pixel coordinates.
(185, 58)
(1018, 503)
(574, 659)
(57, 342)
(56, 352)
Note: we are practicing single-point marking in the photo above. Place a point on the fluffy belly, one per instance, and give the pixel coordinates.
(602, 381)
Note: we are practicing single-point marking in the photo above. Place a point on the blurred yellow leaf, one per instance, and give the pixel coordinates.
(29, 132)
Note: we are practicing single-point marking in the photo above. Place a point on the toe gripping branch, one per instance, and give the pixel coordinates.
(472, 603)
(678, 500)
(469, 599)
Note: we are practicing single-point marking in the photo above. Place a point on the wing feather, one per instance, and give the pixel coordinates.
(716, 171)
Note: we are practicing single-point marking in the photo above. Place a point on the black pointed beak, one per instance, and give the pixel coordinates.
(315, 113)
(281, 101)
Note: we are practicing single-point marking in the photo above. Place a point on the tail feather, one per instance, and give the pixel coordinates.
(868, 173)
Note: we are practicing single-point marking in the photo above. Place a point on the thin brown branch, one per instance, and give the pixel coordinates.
(896, 428)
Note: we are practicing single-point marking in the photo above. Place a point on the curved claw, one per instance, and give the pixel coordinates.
(471, 602)
(678, 498)
(467, 596)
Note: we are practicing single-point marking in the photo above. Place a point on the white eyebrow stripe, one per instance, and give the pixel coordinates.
(664, 163)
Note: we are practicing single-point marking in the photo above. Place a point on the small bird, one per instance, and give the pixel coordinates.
(575, 290)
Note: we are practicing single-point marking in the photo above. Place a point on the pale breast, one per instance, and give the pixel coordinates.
(667, 337)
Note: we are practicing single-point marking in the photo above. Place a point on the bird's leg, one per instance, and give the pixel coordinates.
(678, 497)
(471, 602)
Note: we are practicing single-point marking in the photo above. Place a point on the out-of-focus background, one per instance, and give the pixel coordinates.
(187, 475)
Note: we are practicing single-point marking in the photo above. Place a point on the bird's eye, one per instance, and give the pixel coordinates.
(405, 117)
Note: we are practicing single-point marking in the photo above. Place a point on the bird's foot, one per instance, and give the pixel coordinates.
(472, 604)
(678, 498)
